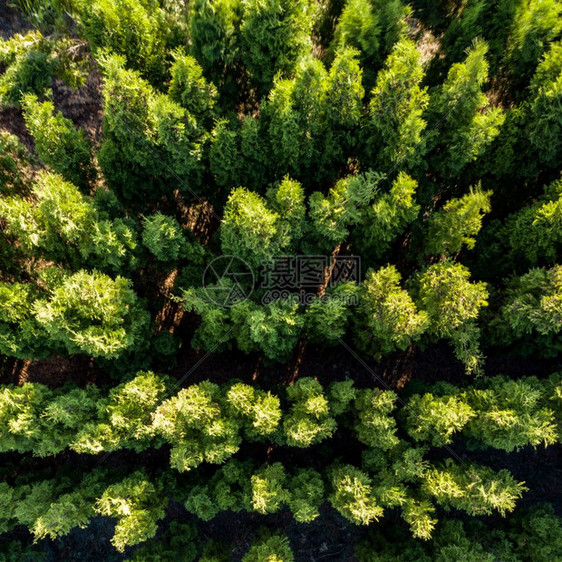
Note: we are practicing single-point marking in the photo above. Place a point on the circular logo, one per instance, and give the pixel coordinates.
(228, 280)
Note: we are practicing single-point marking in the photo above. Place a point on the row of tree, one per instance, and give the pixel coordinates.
(206, 422)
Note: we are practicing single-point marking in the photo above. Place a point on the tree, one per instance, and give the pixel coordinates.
(437, 418)
(395, 110)
(478, 490)
(124, 417)
(150, 141)
(274, 34)
(137, 504)
(307, 495)
(332, 216)
(534, 231)
(388, 216)
(270, 546)
(531, 307)
(453, 304)
(189, 88)
(535, 25)
(93, 314)
(163, 237)
(387, 318)
(374, 424)
(272, 328)
(135, 30)
(456, 224)
(352, 495)
(250, 231)
(544, 130)
(61, 224)
(308, 420)
(59, 145)
(196, 423)
(259, 410)
(213, 30)
(510, 414)
(463, 124)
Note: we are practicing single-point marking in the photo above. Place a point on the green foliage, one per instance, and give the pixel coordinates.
(352, 495)
(534, 232)
(249, 230)
(375, 426)
(389, 216)
(478, 490)
(137, 504)
(16, 164)
(30, 61)
(58, 144)
(532, 307)
(467, 123)
(195, 422)
(308, 420)
(332, 216)
(93, 314)
(163, 237)
(20, 334)
(535, 25)
(268, 491)
(63, 225)
(189, 88)
(544, 130)
(124, 417)
(453, 304)
(270, 547)
(213, 26)
(387, 318)
(272, 328)
(259, 410)
(135, 30)
(511, 415)
(396, 108)
(150, 141)
(456, 224)
(437, 418)
(307, 495)
(274, 34)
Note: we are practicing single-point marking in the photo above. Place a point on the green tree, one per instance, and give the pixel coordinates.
(163, 237)
(270, 546)
(196, 423)
(137, 504)
(135, 30)
(387, 318)
(59, 145)
(544, 129)
(352, 495)
(388, 216)
(189, 88)
(457, 223)
(395, 110)
(274, 34)
(93, 314)
(463, 123)
(309, 419)
(150, 141)
(435, 419)
(250, 230)
(375, 426)
(453, 304)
